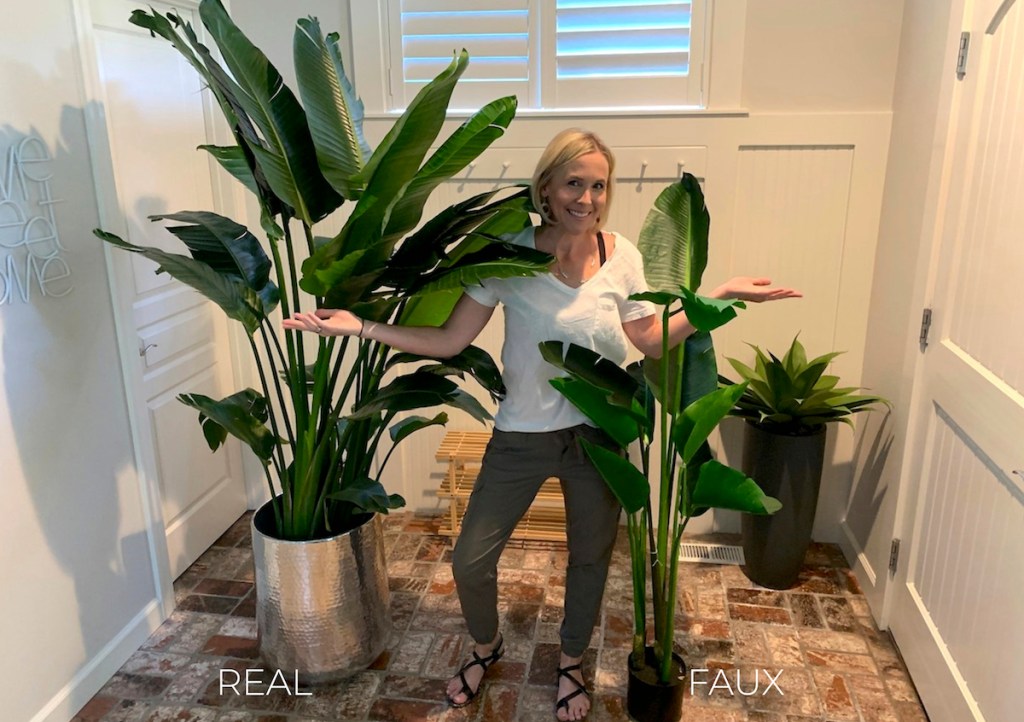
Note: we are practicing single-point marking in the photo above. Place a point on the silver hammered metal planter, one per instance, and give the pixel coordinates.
(321, 606)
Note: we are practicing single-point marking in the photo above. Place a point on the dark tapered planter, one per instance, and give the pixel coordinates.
(788, 468)
(647, 699)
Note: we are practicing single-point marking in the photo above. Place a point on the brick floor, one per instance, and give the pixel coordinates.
(817, 641)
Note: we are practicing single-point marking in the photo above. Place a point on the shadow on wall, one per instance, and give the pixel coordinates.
(874, 444)
(70, 448)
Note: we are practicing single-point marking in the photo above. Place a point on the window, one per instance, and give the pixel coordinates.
(554, 54)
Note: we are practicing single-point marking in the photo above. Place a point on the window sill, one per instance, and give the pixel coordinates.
(533, 113)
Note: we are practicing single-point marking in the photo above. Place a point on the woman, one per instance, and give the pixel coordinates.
(584, 299)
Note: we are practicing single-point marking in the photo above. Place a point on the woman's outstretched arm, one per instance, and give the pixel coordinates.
(465, 323)
(645, 333)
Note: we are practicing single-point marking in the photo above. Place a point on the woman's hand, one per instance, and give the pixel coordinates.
(325, 322)
(756, 290)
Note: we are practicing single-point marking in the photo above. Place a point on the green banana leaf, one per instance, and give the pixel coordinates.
(289, 158)
(626, 482)
(416, 391)
(472, 360)
(335, 113)
(699, 419)
(225, 91)
(399, 155)
(369, 495)
(430, 309)
(624, 425)
(232, 159)
(411, 424)
(722, 487)
(707, 314)
(242, 414)
(673, 239)
(426, 247)
(495, 260)
(590, 366)
(233, 296)
(463, 146)
(228, 248)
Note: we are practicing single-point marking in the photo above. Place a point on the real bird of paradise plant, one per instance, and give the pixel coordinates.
(673, 398)
(318, 419)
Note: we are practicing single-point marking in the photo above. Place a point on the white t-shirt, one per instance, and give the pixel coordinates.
(542, 308)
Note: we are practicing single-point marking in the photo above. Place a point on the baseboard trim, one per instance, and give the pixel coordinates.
(852, 549)
(98, 670)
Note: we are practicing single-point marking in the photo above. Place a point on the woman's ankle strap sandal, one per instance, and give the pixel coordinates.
(580, 688)
(485, 663)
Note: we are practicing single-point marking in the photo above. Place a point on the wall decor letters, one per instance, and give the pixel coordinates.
(30, 247)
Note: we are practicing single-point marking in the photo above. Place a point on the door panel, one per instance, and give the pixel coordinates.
(956, 612)
(155, 113)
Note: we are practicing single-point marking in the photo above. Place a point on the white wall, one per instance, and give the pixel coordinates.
(805, 55)
(909, 212)
(74, 558)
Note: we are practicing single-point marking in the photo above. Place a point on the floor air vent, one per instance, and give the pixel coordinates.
(711, 553)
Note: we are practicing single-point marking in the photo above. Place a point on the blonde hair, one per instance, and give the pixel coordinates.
(563, 149)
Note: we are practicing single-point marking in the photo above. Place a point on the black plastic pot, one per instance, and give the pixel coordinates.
(647, 699)
(789, 468)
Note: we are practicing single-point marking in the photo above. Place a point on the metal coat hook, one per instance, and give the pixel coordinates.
(147, 347)
(640, 180)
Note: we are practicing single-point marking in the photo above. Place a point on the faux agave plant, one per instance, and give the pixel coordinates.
(793, 395)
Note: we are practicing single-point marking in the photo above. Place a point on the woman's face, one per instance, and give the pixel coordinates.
(576, 193)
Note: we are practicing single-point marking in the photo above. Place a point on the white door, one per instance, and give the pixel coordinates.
(958, 606)
(151, 114)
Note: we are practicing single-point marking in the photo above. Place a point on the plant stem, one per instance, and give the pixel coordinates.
(301, 409)
(279, 463)
(670, 623)
(638, 559)
(665, 490)
(372, 450)
(277, 385)
(287, 486)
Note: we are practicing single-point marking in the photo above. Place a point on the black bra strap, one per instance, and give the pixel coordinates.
(600, 248)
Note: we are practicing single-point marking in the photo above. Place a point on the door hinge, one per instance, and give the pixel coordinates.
(961, 55)
(894, 556)
(926, 326)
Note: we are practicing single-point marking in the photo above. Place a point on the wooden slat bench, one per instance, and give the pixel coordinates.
(462, 452)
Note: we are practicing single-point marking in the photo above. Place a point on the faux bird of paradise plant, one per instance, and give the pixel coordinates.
(674, 398)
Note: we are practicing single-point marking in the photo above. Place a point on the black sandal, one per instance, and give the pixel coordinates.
(580, 687)
(484, 662)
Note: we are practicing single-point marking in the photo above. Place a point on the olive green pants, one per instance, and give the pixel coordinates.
(514, 467)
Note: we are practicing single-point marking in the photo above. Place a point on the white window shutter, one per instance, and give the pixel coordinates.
(556, 54)
(427, 34)
(612, 53)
